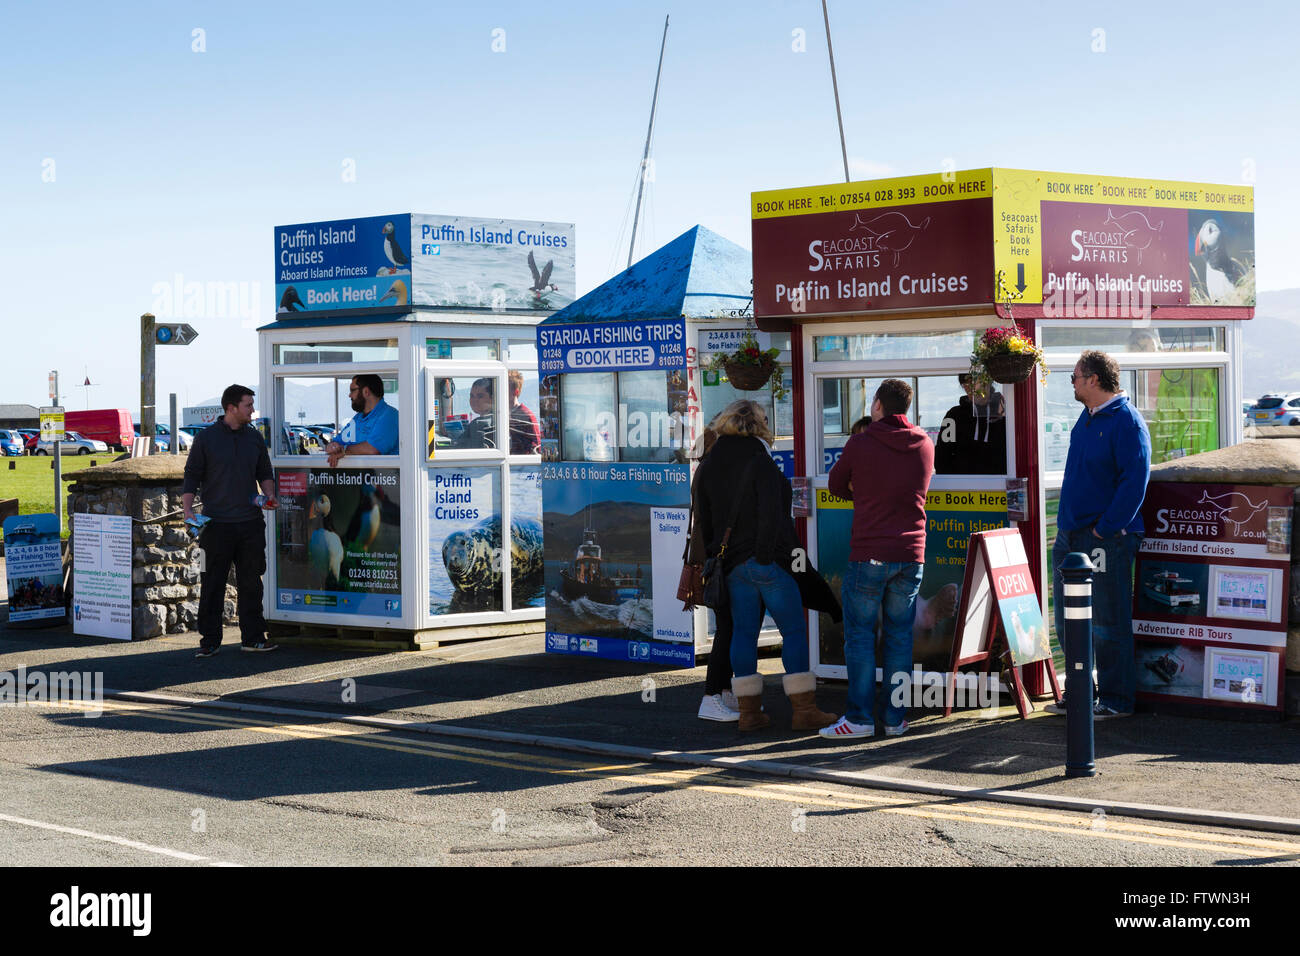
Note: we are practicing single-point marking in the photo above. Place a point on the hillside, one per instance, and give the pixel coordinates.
(1271, 340)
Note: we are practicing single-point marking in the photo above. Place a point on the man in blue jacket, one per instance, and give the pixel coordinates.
(1106, 475)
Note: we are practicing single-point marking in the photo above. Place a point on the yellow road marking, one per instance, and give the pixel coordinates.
(687, 778)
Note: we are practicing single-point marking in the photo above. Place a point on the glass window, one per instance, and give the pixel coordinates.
(525, 429)
(1180, 407)
(652, 406)
(1157, 337)
(893, 345)
(521, 351)
(311, 353)
(476, 350)
(305, 407)
(588, 424)
(548, 412)
(463, 413)
(716, 393)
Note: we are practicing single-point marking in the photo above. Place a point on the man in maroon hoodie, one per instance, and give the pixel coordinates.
(886, 471)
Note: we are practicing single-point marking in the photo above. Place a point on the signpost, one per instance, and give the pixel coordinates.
(52, 431)
(181, 333)
(152, 334)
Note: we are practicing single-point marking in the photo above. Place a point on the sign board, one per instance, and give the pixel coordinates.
(175, 334)
(614, 536)
(1210, 593)
(54, 387)
(611, 346)
(34, 567)
(338, 539)
(998, 589)
(101, 575)
(52, 423)
(406, 259)
(1082, 246)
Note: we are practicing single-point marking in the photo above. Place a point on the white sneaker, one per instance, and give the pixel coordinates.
(843, 728)
(896, 731)
(713, 707)
(729, 699)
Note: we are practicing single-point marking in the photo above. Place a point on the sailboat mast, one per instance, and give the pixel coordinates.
(654, 102)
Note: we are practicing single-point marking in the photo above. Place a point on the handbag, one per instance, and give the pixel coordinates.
(690, 585)
(714, 575)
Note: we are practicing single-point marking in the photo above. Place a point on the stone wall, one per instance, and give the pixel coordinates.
(165, 559)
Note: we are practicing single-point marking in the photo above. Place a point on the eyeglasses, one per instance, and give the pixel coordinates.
(1076, 375)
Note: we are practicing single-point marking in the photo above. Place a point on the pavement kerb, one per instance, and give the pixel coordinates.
(771, 768)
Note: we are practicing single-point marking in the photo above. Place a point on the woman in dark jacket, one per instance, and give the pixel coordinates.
(739, 477)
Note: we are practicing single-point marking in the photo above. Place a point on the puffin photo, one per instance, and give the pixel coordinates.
(1222, 272)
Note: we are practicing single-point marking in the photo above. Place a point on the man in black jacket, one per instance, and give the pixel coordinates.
(228, 462)
(973, 437)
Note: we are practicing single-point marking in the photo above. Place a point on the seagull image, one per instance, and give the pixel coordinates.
(364, 526)
(324, 547)
(396, 292)
(1222, 272)
(393, 250)
(1137, 231)
(1233, 506)
(289, 302)
(893, 231)
(541, 280)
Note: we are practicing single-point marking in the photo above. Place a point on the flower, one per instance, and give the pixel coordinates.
(748, 353)
(1005, 340)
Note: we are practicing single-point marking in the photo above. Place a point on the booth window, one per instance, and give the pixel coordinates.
(623, 416)
(969, 437)
(474, 350)
(716, 393)
(890, 346)
(1179, 405)
(464, 413)
(1072, 340)
(310, 353)
(311, 411)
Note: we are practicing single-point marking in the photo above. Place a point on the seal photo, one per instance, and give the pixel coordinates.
(471, 556)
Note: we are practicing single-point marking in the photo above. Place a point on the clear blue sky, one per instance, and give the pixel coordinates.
(167, 161)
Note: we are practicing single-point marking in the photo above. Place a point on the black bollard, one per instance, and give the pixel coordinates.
(12, 465)
(1076, 571)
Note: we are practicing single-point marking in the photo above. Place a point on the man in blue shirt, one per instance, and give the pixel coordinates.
(373, 431)
(1106, 474)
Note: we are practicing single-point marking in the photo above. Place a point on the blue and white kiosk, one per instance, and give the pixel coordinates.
(442, 310)
(623, 399)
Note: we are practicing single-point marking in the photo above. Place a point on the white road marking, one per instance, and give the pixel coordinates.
(120, 841)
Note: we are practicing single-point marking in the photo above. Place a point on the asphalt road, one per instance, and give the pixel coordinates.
(161, 785)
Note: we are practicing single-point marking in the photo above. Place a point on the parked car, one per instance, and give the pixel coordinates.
(162, 437)
(300, 440)
(109, 425)
(72, 444)
(30, 437)
(12, 442)
(1276, 408)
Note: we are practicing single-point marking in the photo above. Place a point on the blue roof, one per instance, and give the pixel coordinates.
(695, 275)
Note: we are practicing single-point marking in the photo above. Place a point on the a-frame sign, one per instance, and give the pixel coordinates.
(998, 600)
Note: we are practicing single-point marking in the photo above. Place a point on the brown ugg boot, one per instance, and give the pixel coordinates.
(802, 690)
(749, 694)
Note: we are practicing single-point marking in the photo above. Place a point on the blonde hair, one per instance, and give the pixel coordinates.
(746, 418)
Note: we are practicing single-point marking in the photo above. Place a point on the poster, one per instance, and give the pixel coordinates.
(952, 515)
(1210, 592)
(338, 542)
(34, 568)
(1013, 585)
(611, 346)
(343, 264)
(101, 575)
(466, 557)
(614, 536)
(461, 262)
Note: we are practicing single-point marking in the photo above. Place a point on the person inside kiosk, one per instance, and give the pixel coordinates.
(481, 432)
(972, 439)
(373, 430)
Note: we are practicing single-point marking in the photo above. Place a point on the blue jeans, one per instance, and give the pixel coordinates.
(751, 586)
(1112, 609)
(869, 587)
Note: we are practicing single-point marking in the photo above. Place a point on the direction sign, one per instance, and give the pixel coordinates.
(52, 423)
(175, 334)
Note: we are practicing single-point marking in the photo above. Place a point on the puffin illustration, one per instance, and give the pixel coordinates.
(289, 302)
(894, 232)
(396, 292)
(541, 280)
(394, 251)
(325, 548)
(1233, 506)
(1222, 272)
(364, 526)
(1138, 233)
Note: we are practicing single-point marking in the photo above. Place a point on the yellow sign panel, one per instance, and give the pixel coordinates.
(946, 500)
(52, 424)
(1018, 236)
(904, 191)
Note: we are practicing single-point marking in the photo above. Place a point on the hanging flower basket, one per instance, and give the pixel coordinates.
(749, 378)
(1011, 368)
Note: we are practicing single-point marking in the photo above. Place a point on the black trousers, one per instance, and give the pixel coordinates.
(242, 544)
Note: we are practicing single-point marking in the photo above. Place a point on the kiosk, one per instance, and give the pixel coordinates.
(896, 278)
(442, 310)
(624, 399)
